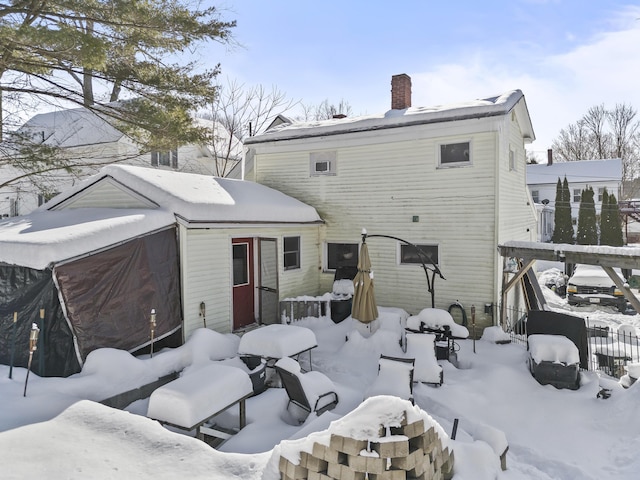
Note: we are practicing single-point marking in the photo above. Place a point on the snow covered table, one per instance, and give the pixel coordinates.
(192, 400)
(273, 342)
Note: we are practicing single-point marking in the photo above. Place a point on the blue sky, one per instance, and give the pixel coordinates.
(566, 56)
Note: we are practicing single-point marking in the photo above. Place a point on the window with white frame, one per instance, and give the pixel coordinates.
(535, 196)
(423, 252)
(600, 193)
(167, 158)
(452, 154)
(512, 159)
(341, 255)
(577, 195)
(323, 163)
(291, 252)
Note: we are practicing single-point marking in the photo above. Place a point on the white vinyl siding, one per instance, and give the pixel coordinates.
(385, 180)
(207, 275)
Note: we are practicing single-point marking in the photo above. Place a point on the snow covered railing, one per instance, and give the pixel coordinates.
(294, 309)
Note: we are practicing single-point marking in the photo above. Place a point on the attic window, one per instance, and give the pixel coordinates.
(168, 158)
(512, 160)
(322, 163)
(452, 154)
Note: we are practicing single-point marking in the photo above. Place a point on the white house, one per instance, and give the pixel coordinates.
(542, 180)
(201, 251)
(90, 142)
(449, 178)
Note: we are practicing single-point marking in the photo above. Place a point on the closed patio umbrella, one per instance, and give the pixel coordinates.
(364, 306)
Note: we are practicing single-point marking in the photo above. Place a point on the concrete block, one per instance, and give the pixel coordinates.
(328, 454)
(291, 470)
(312, 463)
(389, 475)
(366, 464)
(410, 430)
(391, 448)
(343, 472)
(318, 476)
(410, 461)
(347, 445)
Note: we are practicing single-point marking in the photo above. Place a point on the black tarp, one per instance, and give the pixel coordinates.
(26, 291)
(108, 297)
(554, 323)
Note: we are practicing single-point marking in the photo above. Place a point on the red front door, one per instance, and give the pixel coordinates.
(243, 284)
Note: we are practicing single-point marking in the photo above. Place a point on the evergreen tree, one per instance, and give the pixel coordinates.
(122, 60)
(605, 219)
(587, 228)
(615, 229)
(563, 226)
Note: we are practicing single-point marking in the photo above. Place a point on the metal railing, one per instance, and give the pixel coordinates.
(609, 351)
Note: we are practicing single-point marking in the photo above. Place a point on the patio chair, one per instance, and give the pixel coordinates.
(309, 392)
(395, 377)
(422, 347)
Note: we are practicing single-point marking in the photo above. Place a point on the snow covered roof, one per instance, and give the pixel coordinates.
(43, 238)
(583, 171)
(223, 140)
(70, 128)
(201, 198)
(486, 107)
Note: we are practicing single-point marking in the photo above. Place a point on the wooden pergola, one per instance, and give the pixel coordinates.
(526, 253)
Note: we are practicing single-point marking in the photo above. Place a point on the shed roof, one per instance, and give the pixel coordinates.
(583, 171)
(200, 198)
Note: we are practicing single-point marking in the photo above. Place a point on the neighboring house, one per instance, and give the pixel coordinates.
(542, 180)
(449, 178)
(90, 141)
(199, 250)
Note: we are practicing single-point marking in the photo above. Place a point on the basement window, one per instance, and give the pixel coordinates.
(322, 163)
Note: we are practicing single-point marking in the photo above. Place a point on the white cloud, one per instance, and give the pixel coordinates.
(559, 88)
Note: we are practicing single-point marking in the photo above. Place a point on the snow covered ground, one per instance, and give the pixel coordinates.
(53, 432)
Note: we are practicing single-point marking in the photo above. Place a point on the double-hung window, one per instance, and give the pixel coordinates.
(167, 158)
(291, 253)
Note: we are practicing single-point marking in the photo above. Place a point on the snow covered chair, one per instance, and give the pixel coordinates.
(422, 347)
(554, 360)
(308, 392)
(395, 377)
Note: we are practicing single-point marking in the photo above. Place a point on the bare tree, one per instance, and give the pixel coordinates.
(325, 110)
(573, 143)
(603, 133)
(595, 122)
(240, 111)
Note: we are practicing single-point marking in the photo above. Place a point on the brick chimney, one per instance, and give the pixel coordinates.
(400, 91)
(549, 157)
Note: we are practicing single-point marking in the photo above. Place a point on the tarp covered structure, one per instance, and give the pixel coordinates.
(545, 322)
(107, 296)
